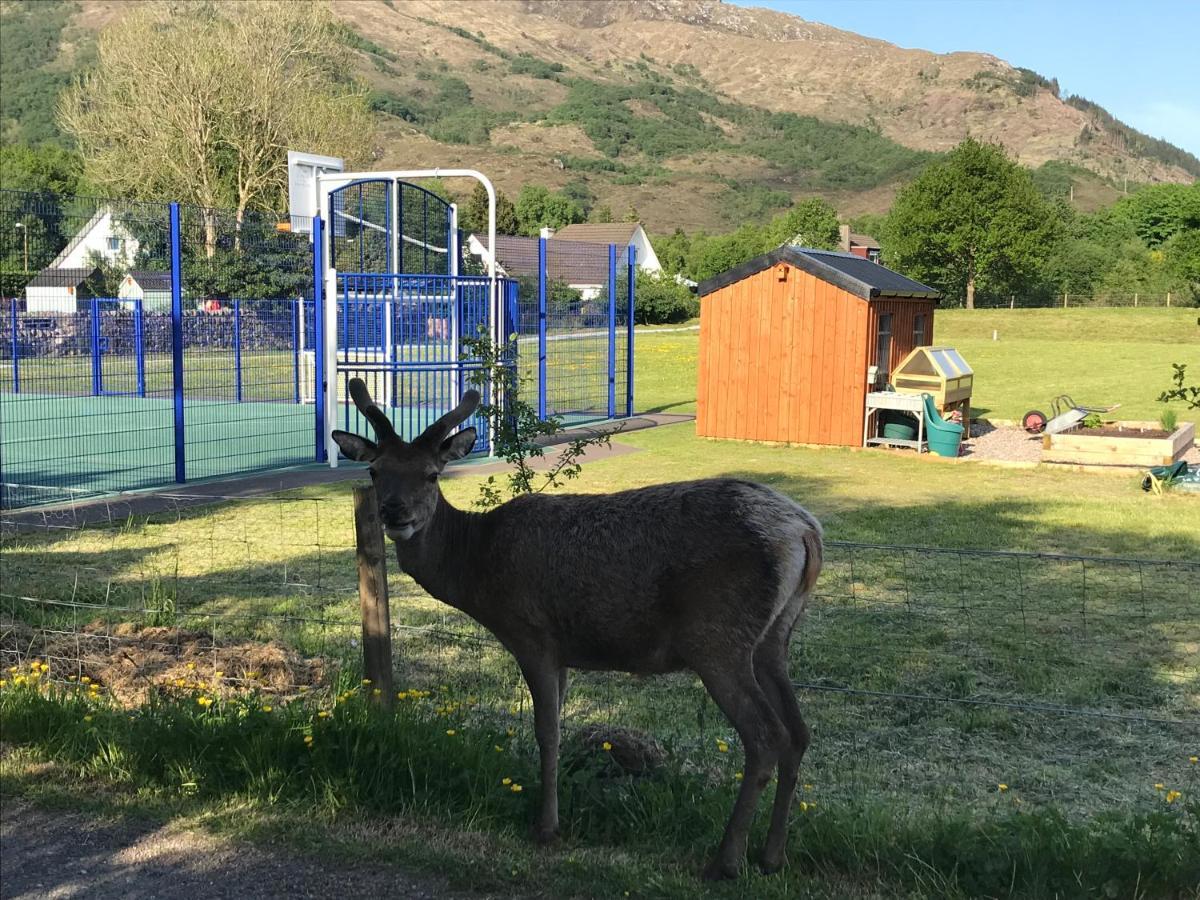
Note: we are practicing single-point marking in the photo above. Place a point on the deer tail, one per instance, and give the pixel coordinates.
(814, 557)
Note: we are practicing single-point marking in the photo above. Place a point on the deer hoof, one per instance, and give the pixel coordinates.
(770, 866)
(719, 870)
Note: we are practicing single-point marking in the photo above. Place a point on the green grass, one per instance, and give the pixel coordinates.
(1098, 356)
(906, 791)
(181, 759)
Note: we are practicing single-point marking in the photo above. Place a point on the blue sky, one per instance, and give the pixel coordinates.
(1141, 61)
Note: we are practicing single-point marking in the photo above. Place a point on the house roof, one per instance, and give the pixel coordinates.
(851, 273)
(620, 233)
(864, 240)
(151, 279)
(572, 262)
(52, 277)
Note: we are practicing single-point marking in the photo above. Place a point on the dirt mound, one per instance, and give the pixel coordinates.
(132, 661)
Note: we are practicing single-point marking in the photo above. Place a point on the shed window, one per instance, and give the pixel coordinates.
(919, 331)
(883, 348)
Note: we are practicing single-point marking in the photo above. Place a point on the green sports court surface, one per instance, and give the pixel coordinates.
(57, 448)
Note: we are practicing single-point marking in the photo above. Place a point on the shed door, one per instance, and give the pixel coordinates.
(883, 348)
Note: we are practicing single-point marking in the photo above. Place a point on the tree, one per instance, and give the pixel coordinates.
(473, 218)
(810, 223)
(43, 169)
(201, 102)
(973, 221)
(538, 208)
(601, 214)
(661, 299)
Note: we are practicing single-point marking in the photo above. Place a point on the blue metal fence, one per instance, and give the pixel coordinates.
(148, 343)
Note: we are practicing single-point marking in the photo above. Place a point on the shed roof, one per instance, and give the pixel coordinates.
(51, 277)
(851, 273)
(151, 279)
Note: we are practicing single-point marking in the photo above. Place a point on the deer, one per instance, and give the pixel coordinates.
(709, 576)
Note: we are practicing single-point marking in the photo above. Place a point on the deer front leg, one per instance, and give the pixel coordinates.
(544, 680)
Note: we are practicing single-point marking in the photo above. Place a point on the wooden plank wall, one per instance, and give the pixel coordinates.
(904, 314)
(782, 360)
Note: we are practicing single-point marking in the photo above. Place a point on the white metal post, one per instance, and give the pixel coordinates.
(332, 400)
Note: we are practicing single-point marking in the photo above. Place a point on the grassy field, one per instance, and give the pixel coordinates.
(902, 795)
(1098, 356)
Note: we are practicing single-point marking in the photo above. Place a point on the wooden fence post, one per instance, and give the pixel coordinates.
(373, 595)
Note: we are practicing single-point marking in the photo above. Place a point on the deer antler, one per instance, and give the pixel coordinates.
(439, 430)
(376, 416)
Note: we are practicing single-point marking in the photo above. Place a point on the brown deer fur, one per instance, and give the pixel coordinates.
(706, 575)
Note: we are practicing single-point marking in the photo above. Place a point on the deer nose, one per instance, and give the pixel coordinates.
(393, 514)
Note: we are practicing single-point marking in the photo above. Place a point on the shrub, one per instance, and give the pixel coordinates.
(661, 299)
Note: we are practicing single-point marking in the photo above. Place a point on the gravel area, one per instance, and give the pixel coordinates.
(56, 854)
(1013, 444)
(1006, 443)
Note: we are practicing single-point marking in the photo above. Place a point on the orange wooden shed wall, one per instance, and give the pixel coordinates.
(784, 355)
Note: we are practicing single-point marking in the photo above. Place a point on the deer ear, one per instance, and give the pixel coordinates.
(355, 447)
(457, 445)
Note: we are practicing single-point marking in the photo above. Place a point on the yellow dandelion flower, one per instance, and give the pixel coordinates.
(511, 732)
(366, 681)
(303, 688)
(722, 747)
(2, 682)
(803, 806)
(1172, 796)
(267, 708)
(1159, 786)
(451, 732)
(1002, 788)
(506, 781)
(308, 739)
(516, 789)
(87, 718)
(737, 776)
(606, 746)
(377, 692)
(218, 674)
(85, 680)
(12, 669)
(70, 678)
(191, 665)
(179, 682)
(20, 679)
(206, 702)
(323, 714)
(808, 787)
(1193, 759)
(498, 748)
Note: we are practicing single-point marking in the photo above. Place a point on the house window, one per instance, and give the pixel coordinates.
(919, 331)
(873, 255)
(883, 348)
(114, 244)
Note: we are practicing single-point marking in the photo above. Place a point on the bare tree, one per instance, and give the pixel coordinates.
(200, 102)
(704, 575)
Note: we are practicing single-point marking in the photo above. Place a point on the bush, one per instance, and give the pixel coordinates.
(660, 300)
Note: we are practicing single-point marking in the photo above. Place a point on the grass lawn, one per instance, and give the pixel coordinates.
(903, 795)
(1098, 356)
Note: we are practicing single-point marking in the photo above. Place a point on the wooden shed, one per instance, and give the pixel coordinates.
(787, 340)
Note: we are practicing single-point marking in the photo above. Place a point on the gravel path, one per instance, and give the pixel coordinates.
(54, 854)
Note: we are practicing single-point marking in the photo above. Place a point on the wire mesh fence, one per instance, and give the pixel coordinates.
(939, 673)
(1152, 299)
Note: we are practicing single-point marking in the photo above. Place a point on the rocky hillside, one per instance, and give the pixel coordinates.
(696, 113)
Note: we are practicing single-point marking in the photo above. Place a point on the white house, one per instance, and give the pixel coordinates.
(56, 288)
(576, 256)
(623, 234)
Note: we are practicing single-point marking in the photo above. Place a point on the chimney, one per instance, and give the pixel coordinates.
(547, 232)
(844, 238)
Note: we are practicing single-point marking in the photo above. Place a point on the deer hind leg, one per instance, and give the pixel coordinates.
(544, 680)
(771, 670)
(739, 695)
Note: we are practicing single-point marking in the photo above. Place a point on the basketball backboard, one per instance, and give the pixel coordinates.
(303, 169)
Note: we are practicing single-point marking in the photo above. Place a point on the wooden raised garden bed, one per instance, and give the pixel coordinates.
(1120, 444)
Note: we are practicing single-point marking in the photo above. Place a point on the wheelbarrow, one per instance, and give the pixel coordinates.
(1067, 414)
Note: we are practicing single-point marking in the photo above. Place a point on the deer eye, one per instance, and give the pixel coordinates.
(433, 476)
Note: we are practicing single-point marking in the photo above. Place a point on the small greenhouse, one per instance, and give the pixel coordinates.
(940, 372)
